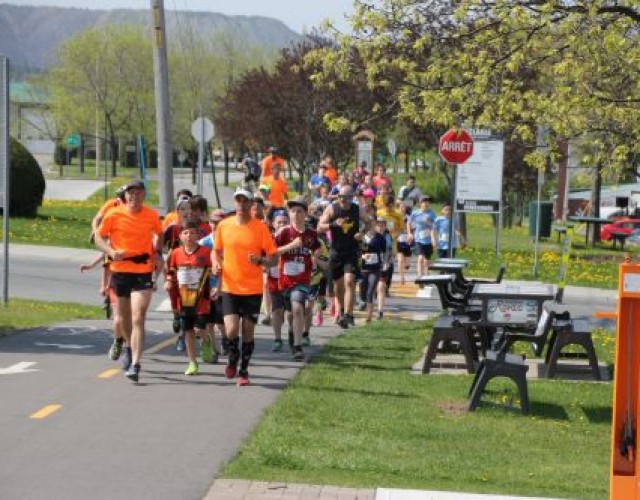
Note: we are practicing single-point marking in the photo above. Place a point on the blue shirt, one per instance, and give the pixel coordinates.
(317, 180)
(207, 242)
(422, 222)
(441, 226)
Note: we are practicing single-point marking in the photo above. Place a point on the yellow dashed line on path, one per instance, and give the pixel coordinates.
(45, 412)
(154, 349)
(109, 373)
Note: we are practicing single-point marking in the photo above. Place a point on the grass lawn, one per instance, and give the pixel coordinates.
(22, 313)
(66, 223)
(356, 416)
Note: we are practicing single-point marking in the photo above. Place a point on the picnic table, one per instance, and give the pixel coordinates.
(506, 304)
(619, 237)
(463, 262)
(596, 221)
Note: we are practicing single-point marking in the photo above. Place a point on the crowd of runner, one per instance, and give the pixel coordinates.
(294, 261)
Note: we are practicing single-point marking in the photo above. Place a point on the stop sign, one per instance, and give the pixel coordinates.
(456, 146)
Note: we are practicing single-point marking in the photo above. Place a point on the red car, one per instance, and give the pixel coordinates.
(623, 225)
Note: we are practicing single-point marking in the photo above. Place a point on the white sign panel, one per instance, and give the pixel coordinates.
(507, 310)
(202, 129)
(479, 182)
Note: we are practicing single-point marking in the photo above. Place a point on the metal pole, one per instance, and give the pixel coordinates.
(6, 168)
(535, 252)
(453, 210)
(201, 157)
(163, 127)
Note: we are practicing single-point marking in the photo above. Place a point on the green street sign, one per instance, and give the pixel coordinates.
(73, 140)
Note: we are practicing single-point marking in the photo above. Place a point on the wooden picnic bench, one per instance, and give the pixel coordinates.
(619, 237)
(561, 230)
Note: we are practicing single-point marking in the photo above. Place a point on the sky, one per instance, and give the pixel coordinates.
(297, 14)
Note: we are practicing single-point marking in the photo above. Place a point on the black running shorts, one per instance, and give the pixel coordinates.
(125, 283)
(245, 306)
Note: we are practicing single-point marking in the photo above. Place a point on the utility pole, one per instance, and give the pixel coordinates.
(163, 126)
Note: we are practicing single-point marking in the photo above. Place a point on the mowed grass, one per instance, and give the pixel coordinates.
(356, 416)
(66, 223)
(22, 313)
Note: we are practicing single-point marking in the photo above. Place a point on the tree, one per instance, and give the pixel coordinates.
(511, 65)
(104, 79)
(284, 107)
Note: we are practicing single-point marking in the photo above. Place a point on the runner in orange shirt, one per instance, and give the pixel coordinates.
(330, 171)
(132, 238)
(269, 161)
(242, 246)
(278, 188)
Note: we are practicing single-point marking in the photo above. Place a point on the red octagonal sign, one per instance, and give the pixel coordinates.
(456, 146)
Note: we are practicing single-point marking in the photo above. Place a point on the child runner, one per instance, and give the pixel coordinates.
(189, 267)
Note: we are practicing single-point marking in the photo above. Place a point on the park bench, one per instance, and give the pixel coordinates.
(499, 363)
(561, 230)
(446, 330)
(567, 331)
(619, 237)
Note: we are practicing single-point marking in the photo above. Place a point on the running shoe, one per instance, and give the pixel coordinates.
(230, 371)
(243, 379)
(306, 340)
(192, 368)
(352, 320)
(362, 306)
(380, 316)
(181, 346)
(266, 321)
(126, 359)
(116, 349)
(176, 324)
(207, 351)
(133, 372)
(317, 319)
(276, 346)
(343, 322)
(298, 354)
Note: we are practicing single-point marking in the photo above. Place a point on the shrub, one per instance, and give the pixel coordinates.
(27, 182)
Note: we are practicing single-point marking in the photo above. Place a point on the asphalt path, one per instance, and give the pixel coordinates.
(163, 438)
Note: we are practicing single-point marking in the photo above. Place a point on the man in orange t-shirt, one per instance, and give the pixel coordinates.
(330, 171)
(269, 161)
(132, 237)
(278, 193)
(242, 246)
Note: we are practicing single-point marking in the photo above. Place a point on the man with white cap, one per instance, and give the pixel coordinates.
(242, 246)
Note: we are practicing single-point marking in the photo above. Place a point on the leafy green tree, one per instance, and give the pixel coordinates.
(104, 81)
(512, 65)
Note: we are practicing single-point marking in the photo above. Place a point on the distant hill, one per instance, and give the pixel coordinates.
(29, 35)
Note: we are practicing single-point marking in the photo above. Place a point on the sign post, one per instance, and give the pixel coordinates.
(202, 130)
(5, 169)
(455, 147)
(393, 149)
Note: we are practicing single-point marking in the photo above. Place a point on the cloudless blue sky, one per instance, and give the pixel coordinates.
(297, 14)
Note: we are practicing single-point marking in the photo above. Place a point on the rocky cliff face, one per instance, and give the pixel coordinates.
(30, 35)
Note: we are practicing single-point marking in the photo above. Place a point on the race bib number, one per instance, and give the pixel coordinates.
(402, 238)
(424, 234)
(370, 258)
(274, 272)
(390, 225)
(444, 237)
(190, 277)
(293, 268)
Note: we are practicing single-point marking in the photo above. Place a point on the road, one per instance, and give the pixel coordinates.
(102, 437)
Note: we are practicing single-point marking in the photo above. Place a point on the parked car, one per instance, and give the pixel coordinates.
(623, 225)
